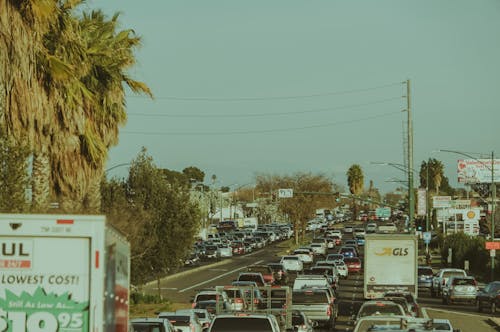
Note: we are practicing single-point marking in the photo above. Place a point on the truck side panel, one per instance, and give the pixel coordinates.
(390, 264)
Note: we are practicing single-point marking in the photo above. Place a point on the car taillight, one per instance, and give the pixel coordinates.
(193, 305)
(255, 301)
(192, 327)
(328, 311)
(238, 300)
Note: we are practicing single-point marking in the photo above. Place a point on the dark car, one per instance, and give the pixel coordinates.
(425, 275)
(489, 297)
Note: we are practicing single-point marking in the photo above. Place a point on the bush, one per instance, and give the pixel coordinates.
(137, 298)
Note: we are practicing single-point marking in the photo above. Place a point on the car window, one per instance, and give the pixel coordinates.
(309, 297)
(148, 327)
(448, 274)
(464, 282)
(205, 297)
(424, 271)
(385, 309)
(229, 324)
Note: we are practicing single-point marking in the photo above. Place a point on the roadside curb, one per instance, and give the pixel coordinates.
(187, 272)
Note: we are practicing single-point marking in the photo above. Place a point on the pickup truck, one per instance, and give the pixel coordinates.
(317, 304)
(441, 277)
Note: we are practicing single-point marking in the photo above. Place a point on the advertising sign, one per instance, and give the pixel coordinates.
(40, 294)
(440, 202)
(383, 212)
(493, 245)
(285, 193)
(477, 171)
(422, 202)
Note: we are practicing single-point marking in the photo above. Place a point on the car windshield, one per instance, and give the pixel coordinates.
(243, 324)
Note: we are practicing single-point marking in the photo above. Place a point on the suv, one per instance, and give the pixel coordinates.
(425, 277)
(460, 289)
(489, 297)
(440, 279)
(206, 295)
(266, 271)
(244, 322)
(292, 263)
(252, 276)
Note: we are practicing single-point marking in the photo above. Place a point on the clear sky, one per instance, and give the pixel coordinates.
(283, 86)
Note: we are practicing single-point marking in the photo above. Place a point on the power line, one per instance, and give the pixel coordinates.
(230, 99)
(316, 110)
(197, 133)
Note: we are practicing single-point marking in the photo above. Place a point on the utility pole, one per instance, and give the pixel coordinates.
(493, 203)
(427, 205)
(411, 207)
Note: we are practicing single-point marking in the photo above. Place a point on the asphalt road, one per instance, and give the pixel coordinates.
(181, 287)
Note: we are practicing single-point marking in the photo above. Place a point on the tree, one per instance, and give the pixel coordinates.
(194, 173)
(355, 181)
(311, 191)
(14, 178)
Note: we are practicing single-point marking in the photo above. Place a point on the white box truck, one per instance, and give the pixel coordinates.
(63, 273)
(390, 264)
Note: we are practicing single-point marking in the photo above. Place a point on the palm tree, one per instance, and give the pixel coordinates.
(107, 54)
(355, 181)
(437, 171)
(24, 103)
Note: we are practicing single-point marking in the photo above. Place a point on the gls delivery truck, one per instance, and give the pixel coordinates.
(390, 264)
(63, 273)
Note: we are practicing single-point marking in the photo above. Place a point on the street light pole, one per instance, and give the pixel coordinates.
(411, 208)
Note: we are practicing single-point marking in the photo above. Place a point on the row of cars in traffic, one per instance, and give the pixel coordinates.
(229, 243)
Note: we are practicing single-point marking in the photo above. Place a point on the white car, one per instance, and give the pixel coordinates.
(184, 322)
(318, 249)
(342, 269)
(292, 263)
(203, 316)
(303, 255)
(335, 232)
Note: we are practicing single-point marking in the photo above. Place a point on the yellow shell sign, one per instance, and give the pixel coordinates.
(471, 214)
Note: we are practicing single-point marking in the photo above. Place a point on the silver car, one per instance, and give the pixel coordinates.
(460, 289)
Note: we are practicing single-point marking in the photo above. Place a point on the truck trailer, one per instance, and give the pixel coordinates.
(390, 264)
(64, 273)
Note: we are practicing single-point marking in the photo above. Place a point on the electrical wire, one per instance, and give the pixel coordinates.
(316, 110)
(151, 133)
(231, 99)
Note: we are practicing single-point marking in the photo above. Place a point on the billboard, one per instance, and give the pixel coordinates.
(439, 202)
(422, 202)
(477, 171)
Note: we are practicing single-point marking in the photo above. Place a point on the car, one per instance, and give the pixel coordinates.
(371, 228)
(334, 257)
(317, 304)
(441, 277)
(401, 300)
(266, 271)
(280, 273)
(292, 263)
(301, 323)
(330, 272)
(353, 264)
(360, 240)
(204, 316)
(359, 231)
(380, 308)
(306, 255)
(151, 325)
(342, 269)
(184, 322)
(237, 298)
(348, 229)
(224, 251)
(244, 322)
(252, 276)
(318, 249)
(211, 294)
(410, 298)
(348, 251)
(489, 297)
(211, 251)
(460, 289)
(425, 275)
(238, 247)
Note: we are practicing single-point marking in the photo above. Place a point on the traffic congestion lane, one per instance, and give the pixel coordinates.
(180, 288)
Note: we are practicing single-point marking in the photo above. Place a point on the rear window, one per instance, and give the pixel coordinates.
(148, 327)
(424, 272)
(448, 274)
(201, 315)
(297, 320)
(464, 282)
(291, 258)
(243, 324)
(205, 297)
(386, 309)
(309, 297)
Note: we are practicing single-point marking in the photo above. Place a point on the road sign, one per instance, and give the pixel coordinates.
(427, 236)
(285, 193)
(493, 245)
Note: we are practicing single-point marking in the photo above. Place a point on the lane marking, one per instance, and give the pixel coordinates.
(218, 277)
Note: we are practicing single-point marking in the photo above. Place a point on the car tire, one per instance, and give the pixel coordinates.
(493, 307)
